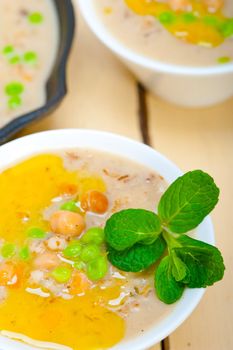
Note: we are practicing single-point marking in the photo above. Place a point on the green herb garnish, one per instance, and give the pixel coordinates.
(137, 238)
(187, 201)
(137, 258)
(123, 231)
(168, 289)
(203, 262)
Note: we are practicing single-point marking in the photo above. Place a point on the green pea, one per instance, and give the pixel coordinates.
(61, 274)
(8, 50)
(224, 59)
(14, 102)
(189, 17)
(80, 265)
(70, 206)
(90, 252)
(35, 18)
(24, 253)
(167, 18)
(36, 232)
(8, 250)
(93, 235)
(226, 28)
(97, 268)
(73, 250)
(30, 57)
(14, 60)
(211, 21)
(14, 88)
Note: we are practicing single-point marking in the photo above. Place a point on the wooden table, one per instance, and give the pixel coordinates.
(104, 95)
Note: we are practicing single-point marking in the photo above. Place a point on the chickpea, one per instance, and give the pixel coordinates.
(67, 223)
(214, 5)
(177, 5)
(46, 261)
(94, 201)
(8, 274)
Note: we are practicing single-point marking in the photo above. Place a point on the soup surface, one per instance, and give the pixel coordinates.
(28, 46)
(46, 270)
(193, 35)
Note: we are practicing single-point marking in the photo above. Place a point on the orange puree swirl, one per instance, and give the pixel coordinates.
(83, 322)
(195, 22)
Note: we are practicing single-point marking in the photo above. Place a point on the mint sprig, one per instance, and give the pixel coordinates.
(123, 231)
(139, 257)
(204, 262)
(187, 201)
(168, 289)
(137, 238)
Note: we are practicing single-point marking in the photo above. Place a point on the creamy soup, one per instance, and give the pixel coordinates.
(50, 291)
(182, 32)
(28, 46)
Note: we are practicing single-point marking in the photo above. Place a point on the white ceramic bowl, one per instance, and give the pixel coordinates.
(22, 148)
(183, 85)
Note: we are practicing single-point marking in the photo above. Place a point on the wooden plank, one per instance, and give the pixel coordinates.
(203, 139)
(156, 347)
(102, 93)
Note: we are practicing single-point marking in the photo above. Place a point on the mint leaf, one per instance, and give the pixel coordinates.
(203, 261)
(127, 227)
(179, 269)
(187, 201)
(137, 258)
(137, 238)
(167, 288)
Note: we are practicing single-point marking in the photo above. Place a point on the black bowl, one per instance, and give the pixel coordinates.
(56, 84)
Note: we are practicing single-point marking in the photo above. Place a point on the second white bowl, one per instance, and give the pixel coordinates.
(182, 85)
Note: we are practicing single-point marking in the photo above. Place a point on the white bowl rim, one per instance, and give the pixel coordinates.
(54, 140)
(126, 53)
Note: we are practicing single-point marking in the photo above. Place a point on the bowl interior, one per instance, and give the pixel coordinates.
(56, 84)
(22, 148)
